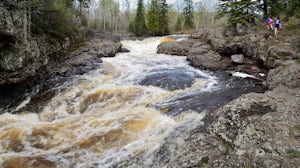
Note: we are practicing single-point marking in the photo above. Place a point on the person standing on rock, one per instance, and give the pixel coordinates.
(277, 25)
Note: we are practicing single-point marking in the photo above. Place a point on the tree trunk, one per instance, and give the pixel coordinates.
(29, 20)
(116, 22)
(104, 24)
(265, 8)
(25, 23)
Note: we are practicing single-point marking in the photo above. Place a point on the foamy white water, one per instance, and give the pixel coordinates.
(105, 117)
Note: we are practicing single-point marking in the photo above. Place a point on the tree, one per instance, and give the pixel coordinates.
(153, 18)
(188, 14)
(157, 17)
(139, 22)
(53, 18)
(163, 17)
(243, 11)
(200, 15)
(178, 25)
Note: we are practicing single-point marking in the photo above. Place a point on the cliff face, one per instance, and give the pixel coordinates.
(21, 55)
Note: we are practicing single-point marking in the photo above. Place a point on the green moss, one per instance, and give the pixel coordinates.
(202, 164)
(284, 58)
(298, 60)
(293, 154)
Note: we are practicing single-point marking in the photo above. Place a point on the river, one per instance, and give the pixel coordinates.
(126, 107)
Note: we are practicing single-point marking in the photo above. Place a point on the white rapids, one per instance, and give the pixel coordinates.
(103, 118)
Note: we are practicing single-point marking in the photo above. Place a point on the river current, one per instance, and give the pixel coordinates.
(107, 115)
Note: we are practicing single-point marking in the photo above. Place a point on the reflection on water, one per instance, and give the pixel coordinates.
(106, 116)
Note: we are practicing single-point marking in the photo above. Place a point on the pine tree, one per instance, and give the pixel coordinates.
(188, 14)
(163, 17)
(178, 25)
(153, 18)
(243, 11)
(139, 23)
(157, 18)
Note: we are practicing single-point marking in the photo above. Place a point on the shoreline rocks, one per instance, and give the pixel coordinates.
(256, 129)
(85, 57)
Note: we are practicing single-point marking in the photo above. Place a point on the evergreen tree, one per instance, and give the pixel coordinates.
(293, 7)
(139, 23)
(188, 14)
(163, 17)
(178, 25)
(243, 11)
(157, 18)
(275, 7)
(153, 18)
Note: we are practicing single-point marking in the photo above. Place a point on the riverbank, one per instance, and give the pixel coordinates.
(76, 60)
(254, 130)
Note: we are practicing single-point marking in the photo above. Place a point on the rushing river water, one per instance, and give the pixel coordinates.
(107, 115)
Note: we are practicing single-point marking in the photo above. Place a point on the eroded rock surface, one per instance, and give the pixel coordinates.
(254, 130)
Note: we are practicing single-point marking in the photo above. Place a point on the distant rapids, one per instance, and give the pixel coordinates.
(107, 115)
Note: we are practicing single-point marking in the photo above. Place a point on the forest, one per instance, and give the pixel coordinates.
(155, 17)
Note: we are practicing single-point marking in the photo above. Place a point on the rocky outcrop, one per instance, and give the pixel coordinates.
(210, 60)
(22, 55)
(287, 74)
(262, 130)
(84, 58)
(248, 48)
(175, 48)
(64, 65)
(254, 130)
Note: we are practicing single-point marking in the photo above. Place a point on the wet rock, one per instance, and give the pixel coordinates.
(230, 88)
(238, 58)
(169, 80)
(124, 50)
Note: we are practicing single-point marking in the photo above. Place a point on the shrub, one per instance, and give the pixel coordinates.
(293, 23)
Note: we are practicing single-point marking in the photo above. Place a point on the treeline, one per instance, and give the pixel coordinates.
(65, 18)
(246, 11)
(154, 18)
